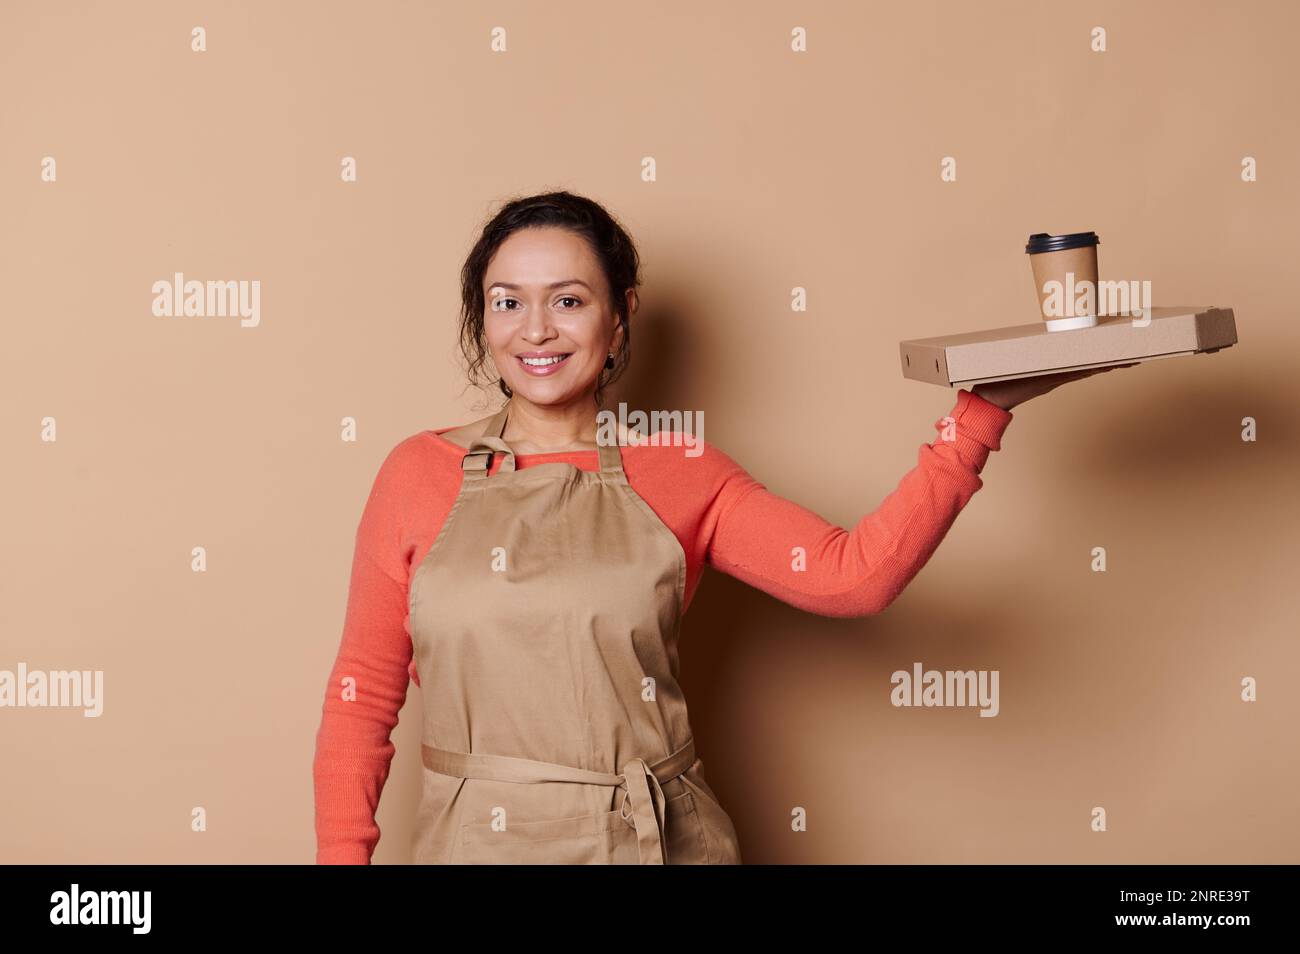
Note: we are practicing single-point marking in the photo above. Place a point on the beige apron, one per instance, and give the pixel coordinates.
(545, 622)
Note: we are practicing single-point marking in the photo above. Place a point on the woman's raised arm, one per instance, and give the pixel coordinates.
(797, 556)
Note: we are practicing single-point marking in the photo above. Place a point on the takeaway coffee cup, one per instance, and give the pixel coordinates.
(1065, 277)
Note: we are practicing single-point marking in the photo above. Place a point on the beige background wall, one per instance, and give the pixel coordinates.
(775, 169)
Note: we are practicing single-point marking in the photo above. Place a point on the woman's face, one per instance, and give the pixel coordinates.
(546, 298)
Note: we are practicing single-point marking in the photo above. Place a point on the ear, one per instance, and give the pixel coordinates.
(633, 302)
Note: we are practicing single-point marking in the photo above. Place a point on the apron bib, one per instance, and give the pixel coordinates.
(545, 621)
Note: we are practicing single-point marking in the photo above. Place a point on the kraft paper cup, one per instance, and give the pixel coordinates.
(1071, 260)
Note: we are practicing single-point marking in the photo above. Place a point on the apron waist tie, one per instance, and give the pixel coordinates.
(642, 781)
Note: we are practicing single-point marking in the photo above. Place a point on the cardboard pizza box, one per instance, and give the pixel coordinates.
(1024, 351)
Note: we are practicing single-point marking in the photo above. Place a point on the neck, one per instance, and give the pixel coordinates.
(551, 425)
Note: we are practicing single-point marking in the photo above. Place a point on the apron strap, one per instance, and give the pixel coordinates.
(611, 459)
(478, 459)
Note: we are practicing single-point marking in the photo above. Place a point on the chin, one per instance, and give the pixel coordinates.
(545, 392)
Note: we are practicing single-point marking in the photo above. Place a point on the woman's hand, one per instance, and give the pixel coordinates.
(1007, 394)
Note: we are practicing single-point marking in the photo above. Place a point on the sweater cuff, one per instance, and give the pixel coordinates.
(980, 419)
(343, 855)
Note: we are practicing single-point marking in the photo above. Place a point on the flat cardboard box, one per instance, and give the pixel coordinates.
(1024, 351)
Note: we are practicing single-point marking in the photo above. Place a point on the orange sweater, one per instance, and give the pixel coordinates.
(721, 515)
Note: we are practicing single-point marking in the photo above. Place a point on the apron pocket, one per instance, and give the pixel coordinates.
(599, 839)
(684, 839)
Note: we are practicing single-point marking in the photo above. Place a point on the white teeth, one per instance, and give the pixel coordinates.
(543, 362)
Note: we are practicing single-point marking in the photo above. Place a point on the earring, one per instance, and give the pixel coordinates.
(609, 362)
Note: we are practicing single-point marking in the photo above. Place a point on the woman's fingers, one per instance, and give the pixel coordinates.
(1112, 367)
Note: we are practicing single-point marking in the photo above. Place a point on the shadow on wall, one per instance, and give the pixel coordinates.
(1175, 454)
(1180, 426)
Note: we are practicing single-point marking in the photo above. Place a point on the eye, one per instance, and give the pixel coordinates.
(496, 302)
(576, 301)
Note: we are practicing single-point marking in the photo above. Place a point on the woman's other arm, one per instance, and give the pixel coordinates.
(759, 537)
(368, 682)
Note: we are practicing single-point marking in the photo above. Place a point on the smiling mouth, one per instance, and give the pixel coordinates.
(546, 365)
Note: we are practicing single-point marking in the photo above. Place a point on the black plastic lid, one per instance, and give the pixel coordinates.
(1042, 242)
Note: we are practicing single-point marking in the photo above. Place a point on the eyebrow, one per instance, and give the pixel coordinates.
(567, 281)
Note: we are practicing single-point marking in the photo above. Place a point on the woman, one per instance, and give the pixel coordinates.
(530, 580)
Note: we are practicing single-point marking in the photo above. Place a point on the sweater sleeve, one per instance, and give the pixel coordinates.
(368, 682)
(793, 554)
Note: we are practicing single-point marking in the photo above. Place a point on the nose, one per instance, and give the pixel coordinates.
(537, 326)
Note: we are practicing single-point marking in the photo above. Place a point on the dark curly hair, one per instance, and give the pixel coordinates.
(611, 244)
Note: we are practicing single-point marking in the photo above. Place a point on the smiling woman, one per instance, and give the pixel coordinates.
(531, 581)
(540, 363)
(561, 276)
